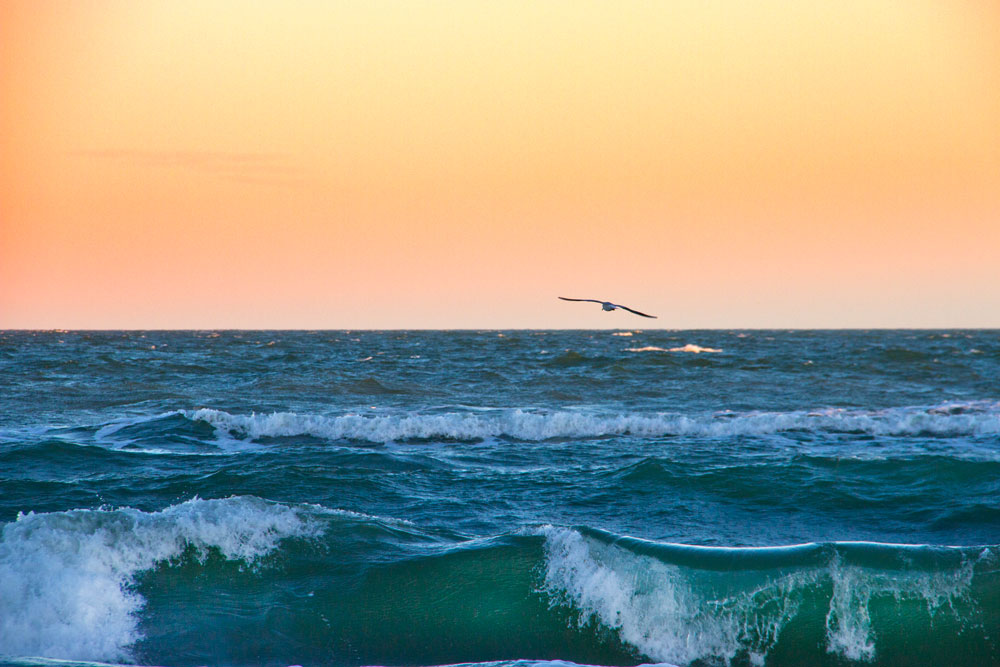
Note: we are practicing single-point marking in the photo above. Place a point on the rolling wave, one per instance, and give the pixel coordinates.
(683, 604)
(67, 579)
(188, 431)
(105, 584)
(966, 419)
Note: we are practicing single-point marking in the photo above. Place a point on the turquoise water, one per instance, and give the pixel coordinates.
(430, 498)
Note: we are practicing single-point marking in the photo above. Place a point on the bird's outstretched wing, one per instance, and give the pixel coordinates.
(591, 300)
(612, 306)
(636, 311)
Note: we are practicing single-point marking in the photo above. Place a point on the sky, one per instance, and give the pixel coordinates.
(457, 164)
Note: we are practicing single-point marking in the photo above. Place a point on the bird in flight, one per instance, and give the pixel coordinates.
(607, 305)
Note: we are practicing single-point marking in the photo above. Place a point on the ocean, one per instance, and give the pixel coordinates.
(353, 498)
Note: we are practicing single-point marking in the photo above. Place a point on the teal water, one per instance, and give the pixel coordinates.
(510, 498)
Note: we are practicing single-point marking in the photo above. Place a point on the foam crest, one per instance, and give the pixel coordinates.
(694, 349)
(690, 347)
(981, 418)
(657, 609)
(67, 578)
(682, 614)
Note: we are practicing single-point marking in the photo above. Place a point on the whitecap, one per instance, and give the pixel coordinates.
(951, 419)
(66, 578)
(694, 349)
(667, 612)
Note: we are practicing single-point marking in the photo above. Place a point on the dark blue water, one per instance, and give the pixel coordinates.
(429, 498)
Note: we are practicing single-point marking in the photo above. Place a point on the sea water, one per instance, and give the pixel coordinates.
(503, 497)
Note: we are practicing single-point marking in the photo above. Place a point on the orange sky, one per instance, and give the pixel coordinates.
(175, 164)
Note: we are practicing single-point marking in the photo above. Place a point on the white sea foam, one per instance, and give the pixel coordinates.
(848, 623)
(653, 606)
(973, 419)
(66, 577)
(694, 349)
(690, 347)
(672, 613)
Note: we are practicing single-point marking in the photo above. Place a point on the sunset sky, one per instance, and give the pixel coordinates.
(311, 164)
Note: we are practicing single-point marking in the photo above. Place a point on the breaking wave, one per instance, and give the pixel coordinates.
(683, 604)
(969, 419)
(381, 592)
(67, 579)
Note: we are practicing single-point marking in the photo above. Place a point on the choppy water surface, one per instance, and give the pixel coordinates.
(429, 498)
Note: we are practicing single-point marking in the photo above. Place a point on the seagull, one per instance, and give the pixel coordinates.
(607, 305)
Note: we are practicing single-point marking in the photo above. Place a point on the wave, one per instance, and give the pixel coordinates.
(683, 604)
(208, 431)
(696, 349)
(172, 587)
(952, 419)
(690, 347)
(67, 579)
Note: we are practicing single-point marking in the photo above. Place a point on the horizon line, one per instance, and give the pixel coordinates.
(470, 329)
